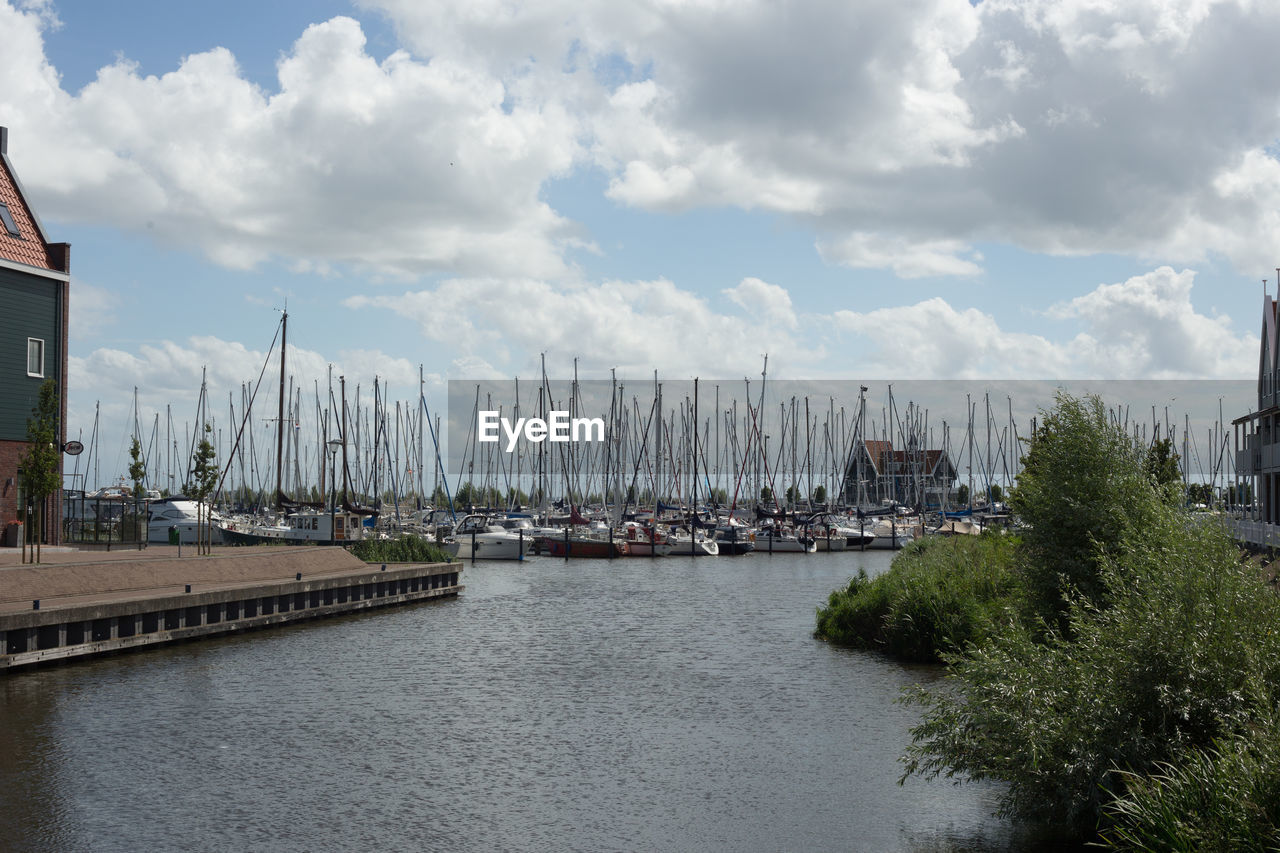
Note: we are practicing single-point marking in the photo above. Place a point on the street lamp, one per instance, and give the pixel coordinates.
(334, 444)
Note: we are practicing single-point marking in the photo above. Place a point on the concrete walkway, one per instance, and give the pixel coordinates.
(68, 577)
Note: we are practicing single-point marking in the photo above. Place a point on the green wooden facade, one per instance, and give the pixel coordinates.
(31, 310)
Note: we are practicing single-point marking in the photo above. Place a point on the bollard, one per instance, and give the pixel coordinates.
(566, 543)
(520, 556)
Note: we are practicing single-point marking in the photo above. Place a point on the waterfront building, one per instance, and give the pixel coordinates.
(1257, 434)
(34, 285)
(911, 476)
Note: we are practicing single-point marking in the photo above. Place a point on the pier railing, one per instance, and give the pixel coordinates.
(1257, 533)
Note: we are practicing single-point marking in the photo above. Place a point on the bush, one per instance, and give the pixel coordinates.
(1185, 653)
(941, 594)
(1085, 485)
(406, 549)
(1225, 798)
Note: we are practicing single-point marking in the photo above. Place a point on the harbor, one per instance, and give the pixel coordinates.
(78, 604)
(555, 705)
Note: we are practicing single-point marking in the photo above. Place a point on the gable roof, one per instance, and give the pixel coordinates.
(31, 247)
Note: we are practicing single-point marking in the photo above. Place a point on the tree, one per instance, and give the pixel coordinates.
(820, 495)
(962, 494)
(137, 473)
(38, 467)
(137, 468)
(1085, 484)
(766, 494)
(1161, 464)
(1183, 656)
(204, 472)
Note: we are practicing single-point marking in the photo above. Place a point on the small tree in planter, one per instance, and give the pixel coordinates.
(204, 473)
(137, 473)
(38, 468)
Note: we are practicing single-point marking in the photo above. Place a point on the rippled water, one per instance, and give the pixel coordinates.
(674, 704)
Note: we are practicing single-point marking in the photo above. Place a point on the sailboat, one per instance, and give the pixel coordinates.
(297, 523)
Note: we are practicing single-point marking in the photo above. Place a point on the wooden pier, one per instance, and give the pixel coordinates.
(77, 604)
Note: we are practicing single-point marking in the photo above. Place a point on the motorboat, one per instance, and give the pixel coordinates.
(734, 539)
(482, 537)
(772, 541)
(179, 512)
(695, 544)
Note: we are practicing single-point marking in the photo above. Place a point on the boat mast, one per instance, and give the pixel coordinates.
(284, 332)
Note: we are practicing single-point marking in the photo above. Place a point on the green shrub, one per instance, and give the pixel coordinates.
(1224, 798)
(1186, 652)
(1085, 485)
(406, 549)
(941, 594)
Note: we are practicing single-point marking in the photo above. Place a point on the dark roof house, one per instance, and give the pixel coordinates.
(34, 288)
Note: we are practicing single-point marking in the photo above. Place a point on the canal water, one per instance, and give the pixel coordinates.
(675, 704)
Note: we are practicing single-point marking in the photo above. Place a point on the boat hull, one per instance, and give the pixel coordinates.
(583, 548)
(489, 547)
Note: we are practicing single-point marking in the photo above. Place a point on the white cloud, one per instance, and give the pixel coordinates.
(763, 299)
(1069, 127)
(863, 250)
(1143, 328)
(1146, 326)
(634, 326)
(931, 339)
(1073, 127)
(400, 166)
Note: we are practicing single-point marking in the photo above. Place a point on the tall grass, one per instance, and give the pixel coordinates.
(1223, 798)
(406, 549)
(941, 594)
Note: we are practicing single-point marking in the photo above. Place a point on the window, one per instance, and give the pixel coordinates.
(7, 218)
(35, 357)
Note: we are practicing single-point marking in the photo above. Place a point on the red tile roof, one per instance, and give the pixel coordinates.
(28, 247)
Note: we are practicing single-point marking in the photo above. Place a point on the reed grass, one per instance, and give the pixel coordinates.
(942, 594)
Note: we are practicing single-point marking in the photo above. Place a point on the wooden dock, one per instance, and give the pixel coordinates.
(77, 603)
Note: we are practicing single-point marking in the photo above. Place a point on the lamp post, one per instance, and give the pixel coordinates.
(334, 444)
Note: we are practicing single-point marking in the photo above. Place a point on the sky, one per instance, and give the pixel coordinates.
(911, 189)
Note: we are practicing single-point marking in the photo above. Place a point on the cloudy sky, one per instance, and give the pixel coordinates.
(881, 188)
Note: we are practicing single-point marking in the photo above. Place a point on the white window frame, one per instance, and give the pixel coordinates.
(40, 343)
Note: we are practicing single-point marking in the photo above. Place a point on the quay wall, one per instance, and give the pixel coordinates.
(217, 600)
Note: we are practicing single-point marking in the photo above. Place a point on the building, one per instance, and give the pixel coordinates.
(1257, 435)
(912, 477)
(34, 288)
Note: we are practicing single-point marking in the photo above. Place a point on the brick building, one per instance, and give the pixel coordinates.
(34, 284)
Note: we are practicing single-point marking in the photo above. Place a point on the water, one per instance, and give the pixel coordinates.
(673, 704)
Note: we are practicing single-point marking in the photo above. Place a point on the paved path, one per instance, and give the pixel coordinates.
(67, 577)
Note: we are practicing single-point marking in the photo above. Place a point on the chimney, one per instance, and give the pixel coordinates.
(4, 141)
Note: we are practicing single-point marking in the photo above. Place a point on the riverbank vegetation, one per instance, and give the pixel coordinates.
(1125, 679)
(943, 594)
(405, 549)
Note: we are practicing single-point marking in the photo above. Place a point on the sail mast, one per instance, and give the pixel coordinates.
(284, 331)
